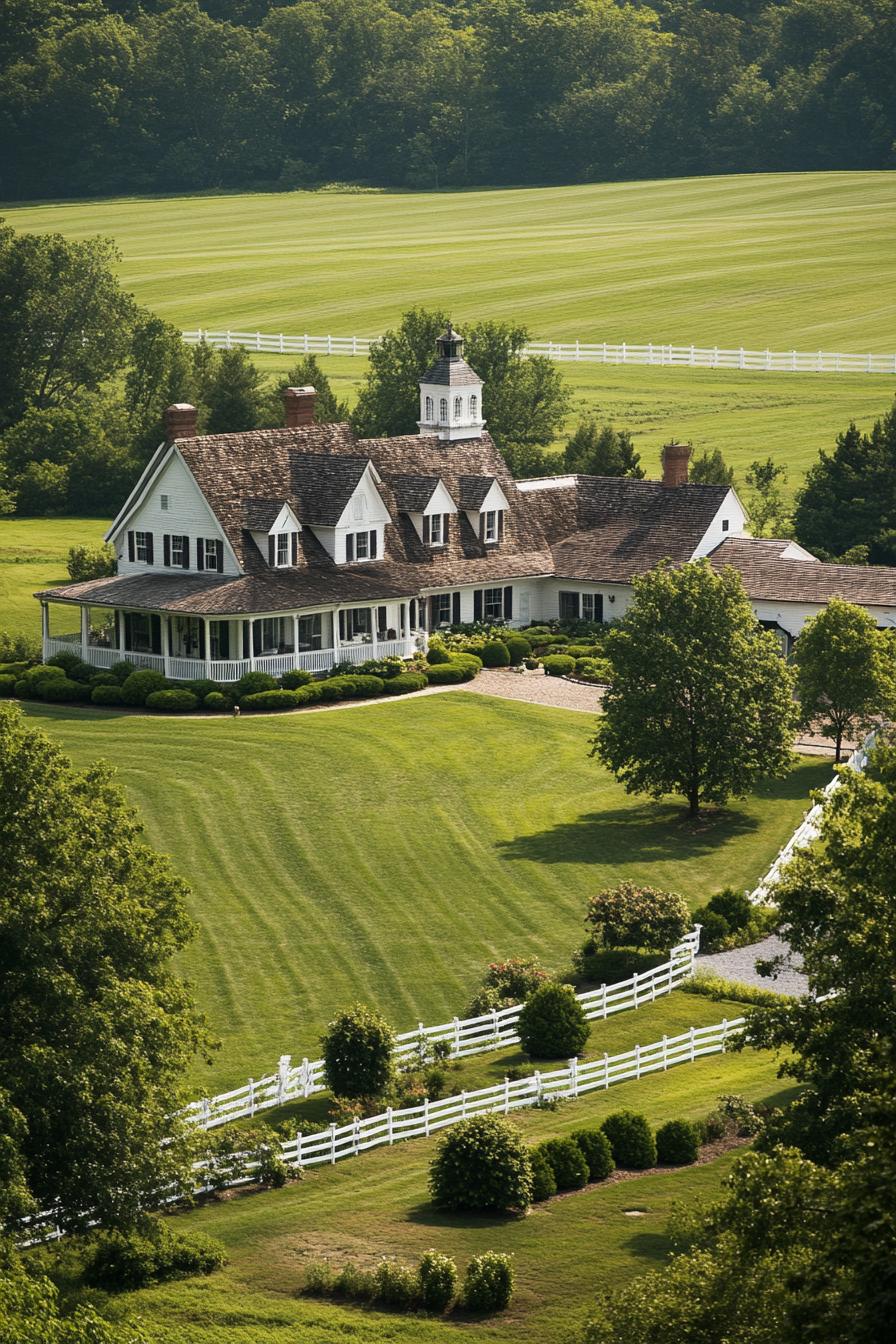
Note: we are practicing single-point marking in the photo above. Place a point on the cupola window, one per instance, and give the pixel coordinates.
(458, 408)
(443, 410)
(429, 408)
(474, 406)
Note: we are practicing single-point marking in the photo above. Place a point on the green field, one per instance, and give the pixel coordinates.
(387, 853)
(33, 554)
(565, 1251)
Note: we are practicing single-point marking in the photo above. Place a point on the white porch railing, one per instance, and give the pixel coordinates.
(468, 1036)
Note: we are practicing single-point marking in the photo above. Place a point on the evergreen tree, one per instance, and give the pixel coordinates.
(306, 373)
(233, 393)
(709, 468)
(766, 508)
(602, 451)
(849, 498)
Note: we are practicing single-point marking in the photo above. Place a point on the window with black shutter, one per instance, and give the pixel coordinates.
(200, 552)
(294, 547)
(569, 606)
(477, 605)
(455, 608)
(185, 552)
(373, 544)
(219, 556)
(349, 550)
(426, 529)
(508, 603)
(166, 548)
(131, 546)
(272, 551)
(149, 559)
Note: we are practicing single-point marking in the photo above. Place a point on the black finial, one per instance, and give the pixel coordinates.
(450, 344)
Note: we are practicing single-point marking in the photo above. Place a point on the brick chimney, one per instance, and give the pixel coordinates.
(675, 458)
(180, 421)
(298, 406)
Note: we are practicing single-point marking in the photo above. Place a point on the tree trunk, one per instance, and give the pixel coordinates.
(694, 800)
(839, 740)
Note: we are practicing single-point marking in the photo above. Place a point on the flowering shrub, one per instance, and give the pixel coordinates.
(488, 1283)
(506, 983)
(631, 916)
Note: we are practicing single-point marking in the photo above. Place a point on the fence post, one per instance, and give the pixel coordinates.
(354, 345)
(281, 342)
(603, 990)
(258, 340)
(251, 1096)
(306, 343)
(665, 1053)
(574, 1075)
(724, 1033)
(283, 1077)
(606, 1070)
(578, 356)
(692, 1034)
(495, 1024)
(650, 353)
(456, 1035)
(329, 345)
(306, 1078)
(206, 1113)
(228, 340)
(537, 1077)
(389, 1124)
(637, 1061)
(506, 1094)
(299, 1149)
(426, 1116)
(332, 1143)
(356, 1136)
(463, 1105)
(623, 352)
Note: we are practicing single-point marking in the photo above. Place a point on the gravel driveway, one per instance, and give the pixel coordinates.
(741, 965)
(536, 689)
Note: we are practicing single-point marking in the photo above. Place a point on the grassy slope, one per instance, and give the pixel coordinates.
(33, 552)
(565, 1251)
(387, 853)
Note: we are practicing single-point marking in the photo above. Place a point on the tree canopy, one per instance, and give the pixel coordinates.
(700, 700)
(602, 450)
(95, 1028)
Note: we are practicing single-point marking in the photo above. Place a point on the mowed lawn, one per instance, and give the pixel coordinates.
(33, 555)
(800, 260)
(386, 853)
(565, 1252)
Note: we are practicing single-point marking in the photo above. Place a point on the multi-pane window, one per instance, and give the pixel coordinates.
(429, 408)
(361, 546)
(141, 633)
(569, 606)
(490, 526)
(283, 548)
(458, 408)
(310, 633)
(443, 410)
(474, 406)
(141, 546)
(587, 606)
(435, 530)
(211, 553)
(493, 604)
(177, 551)
(441, 609)
(164, 503)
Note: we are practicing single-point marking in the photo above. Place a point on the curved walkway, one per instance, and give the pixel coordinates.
(536, 689)
(740, 965)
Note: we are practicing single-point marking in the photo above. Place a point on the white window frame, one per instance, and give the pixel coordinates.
(443, 614)
(435, 530)
(282, 540)
(429, 408)
(587, 606)
(492, 606)
(164, 503)
(140, 549)
(443, 410)
(210, 553)
(177, 551)
(458, 407)
(490, 528)
(474, 403)
(362, 546)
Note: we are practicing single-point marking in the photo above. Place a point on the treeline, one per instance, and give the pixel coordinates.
(170, 95)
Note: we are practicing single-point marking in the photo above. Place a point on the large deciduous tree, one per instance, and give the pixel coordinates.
(845, 671)
(700, 700)
(95, 1028)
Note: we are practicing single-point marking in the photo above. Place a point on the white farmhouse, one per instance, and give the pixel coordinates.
(305, 547)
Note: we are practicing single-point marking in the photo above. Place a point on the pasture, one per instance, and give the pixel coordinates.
(387, 853)
(33, 555)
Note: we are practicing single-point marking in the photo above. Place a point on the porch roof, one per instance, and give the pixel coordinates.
(282, 590)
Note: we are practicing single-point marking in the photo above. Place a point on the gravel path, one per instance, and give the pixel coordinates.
(741, 965)
(536, 689)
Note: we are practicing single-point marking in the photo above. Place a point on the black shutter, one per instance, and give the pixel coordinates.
(245, 625)
(128, 628)
(500, 524)
(200, 552)
(117, 615)
(223, 639)
(349, 550)
(382, 617)
(477, 605)
(433, 612)
(201, 638)
(455, 608)
(166, 548)
(482, 527)
(149, 548)
(294, 548)
(426, 529)
(413, 614)
(508, 603)
(372, 547)
(155, 633)
(219, 556)
(598, 606)
(130, 545)
(445, 517)
(272, 554)
(342, 627)
(185, 553)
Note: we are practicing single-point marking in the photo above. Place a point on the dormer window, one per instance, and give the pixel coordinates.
(361, 546)
(283, 549)
(435, 529)
(492, 526)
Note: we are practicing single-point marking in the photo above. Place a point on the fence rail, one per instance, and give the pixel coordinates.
(468, 1036)
(654, 354)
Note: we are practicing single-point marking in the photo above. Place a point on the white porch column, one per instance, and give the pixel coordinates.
(295, 638)
(208, 641)
(166, 643)
(335, 633)
(249, 624)
(85, 631)
(44, 628)
(373, 619)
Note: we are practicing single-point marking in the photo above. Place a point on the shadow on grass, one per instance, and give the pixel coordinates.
(427, 1215)
(649, 832)
(653, 1246)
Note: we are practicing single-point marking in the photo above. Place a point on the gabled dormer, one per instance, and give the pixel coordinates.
(428, 504)
(275, 530)
(485, 505)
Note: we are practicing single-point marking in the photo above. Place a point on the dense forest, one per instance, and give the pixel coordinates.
(105, 96)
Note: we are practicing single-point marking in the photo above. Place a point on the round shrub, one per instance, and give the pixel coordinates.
(506, 983)
(251, 683)
(596, 1150)
(310, 695)
(122, 670)
(102, 679)
(215, 700)
(395, 1285)
(468, 660)
(172, 701)
(30, 681)
(7, 684)
(677, 1143)
(405, 682)
(357, 1053)
(519, 649)
(714, 930)
(482, 1163)
(74, 667)
(437, 654)
(733, 906)
(488, 1282)
(140, 684)
(299, 676)
(62, 688)
(496, 654)
(567, 1162)
(631, 1140)
(558, 664)
(200, 686)
(544, 1183)
(276, 699)
(631, 916)
(447, 674)
(351, 686)
(106, 695)
(438, 1280)
(552, 1024)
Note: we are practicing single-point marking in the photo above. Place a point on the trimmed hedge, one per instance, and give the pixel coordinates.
(102, 679)
(251, 683)
(270, 699)
(28, 685)
(56, 689)
(310, 695)
(106, 695)
(677, 1143)
(496, 654)
(352, 686)
(171, 701)
(140, 684)
(200, 686)
(436, 654)
(122, 670)
(122, 1261)
(519, 648)
(552, 1023)
(567, 1162)
(558, 664)
(467, 660)
(72, 665)
(405, 682)
(488, 1282)
(216, 701)
(544, 1183)
(631, 1140)
(596, 1150)
(448, 674)
(482, 1163)
(299, 676)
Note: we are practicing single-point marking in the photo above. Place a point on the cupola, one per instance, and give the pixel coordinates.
(451, 393)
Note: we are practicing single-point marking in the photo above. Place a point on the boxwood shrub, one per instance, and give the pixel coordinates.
(200, 686)
(714, 929)
(106, 695)
(496, 654)
(270, 699)
(72, 665)
(631, 1140)
(298, 676)
(7, 684)
(126, 1261)
(488, 1282)
(463, 659)
(558, 664)
(519, 648)
(122, 670)
(405, 682)
(103, 679)
(437, 654)
(448, 674)
(438, 1281)
(552, 1024)
(677, 1143)
(567, 1162)
(352, 686)
(310, 695)
(63, 688)
(140, 684)
(250, 683)
(215, 700)
(172, 701)
(482, 1163)
(28, 685)
(596, 1150)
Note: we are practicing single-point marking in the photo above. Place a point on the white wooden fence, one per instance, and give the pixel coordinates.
(809, 828)
(653, 353)
(468, 1036)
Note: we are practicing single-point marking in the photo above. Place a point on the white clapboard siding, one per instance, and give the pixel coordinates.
(467, 1036)
(654, 354)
